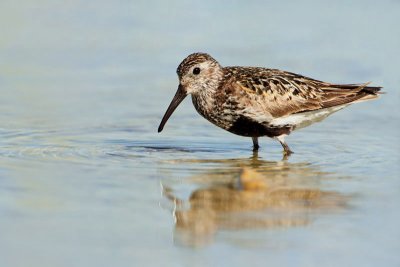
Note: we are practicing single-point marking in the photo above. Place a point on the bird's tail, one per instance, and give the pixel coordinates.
(338, 94)
(368, 92)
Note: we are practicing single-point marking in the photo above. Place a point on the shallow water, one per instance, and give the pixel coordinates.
(85, 180)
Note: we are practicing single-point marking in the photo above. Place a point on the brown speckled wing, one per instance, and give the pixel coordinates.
(286, 93)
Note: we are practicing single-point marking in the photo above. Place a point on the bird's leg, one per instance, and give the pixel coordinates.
(255, 144)
(286, 149)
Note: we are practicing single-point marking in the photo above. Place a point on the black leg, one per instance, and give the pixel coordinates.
(255, 144)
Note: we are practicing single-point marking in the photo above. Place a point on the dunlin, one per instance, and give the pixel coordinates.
(255, 102)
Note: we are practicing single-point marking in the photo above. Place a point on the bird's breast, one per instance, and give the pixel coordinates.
(216, 110)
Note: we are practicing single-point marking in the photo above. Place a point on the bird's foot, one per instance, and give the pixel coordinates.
(286, 153)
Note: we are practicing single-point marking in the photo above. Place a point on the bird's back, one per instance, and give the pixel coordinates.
(274, 99)
(284, 93)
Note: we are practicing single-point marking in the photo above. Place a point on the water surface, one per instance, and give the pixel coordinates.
(85, 180)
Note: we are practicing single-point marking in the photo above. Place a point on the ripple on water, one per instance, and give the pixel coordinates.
(51, 145)
(91, 146)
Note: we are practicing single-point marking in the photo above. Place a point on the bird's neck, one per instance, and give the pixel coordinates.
(204, 101)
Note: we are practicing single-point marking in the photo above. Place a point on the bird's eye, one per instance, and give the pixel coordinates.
(196, 71)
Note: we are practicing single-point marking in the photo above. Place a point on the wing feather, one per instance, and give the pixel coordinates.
(286, 93)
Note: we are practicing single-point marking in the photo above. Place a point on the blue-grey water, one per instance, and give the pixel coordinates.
(85, 179)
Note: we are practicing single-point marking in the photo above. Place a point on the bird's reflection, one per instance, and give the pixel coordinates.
(249, 193)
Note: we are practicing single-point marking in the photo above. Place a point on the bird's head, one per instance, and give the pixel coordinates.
(198, 73)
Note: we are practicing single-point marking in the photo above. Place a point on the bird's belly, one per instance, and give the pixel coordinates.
(237, 123)
(247, 127)
(244, 126)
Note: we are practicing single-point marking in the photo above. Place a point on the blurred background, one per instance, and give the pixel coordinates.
(85, 180)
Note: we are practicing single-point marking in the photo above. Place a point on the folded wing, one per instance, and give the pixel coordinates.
(286, 93)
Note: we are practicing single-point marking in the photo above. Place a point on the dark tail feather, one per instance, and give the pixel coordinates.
(374, 90)
(339, 94)
(355, 87)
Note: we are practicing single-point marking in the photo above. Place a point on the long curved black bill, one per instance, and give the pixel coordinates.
(179, 96)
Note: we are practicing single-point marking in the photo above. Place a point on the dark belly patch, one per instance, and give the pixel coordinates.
(247, 127)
